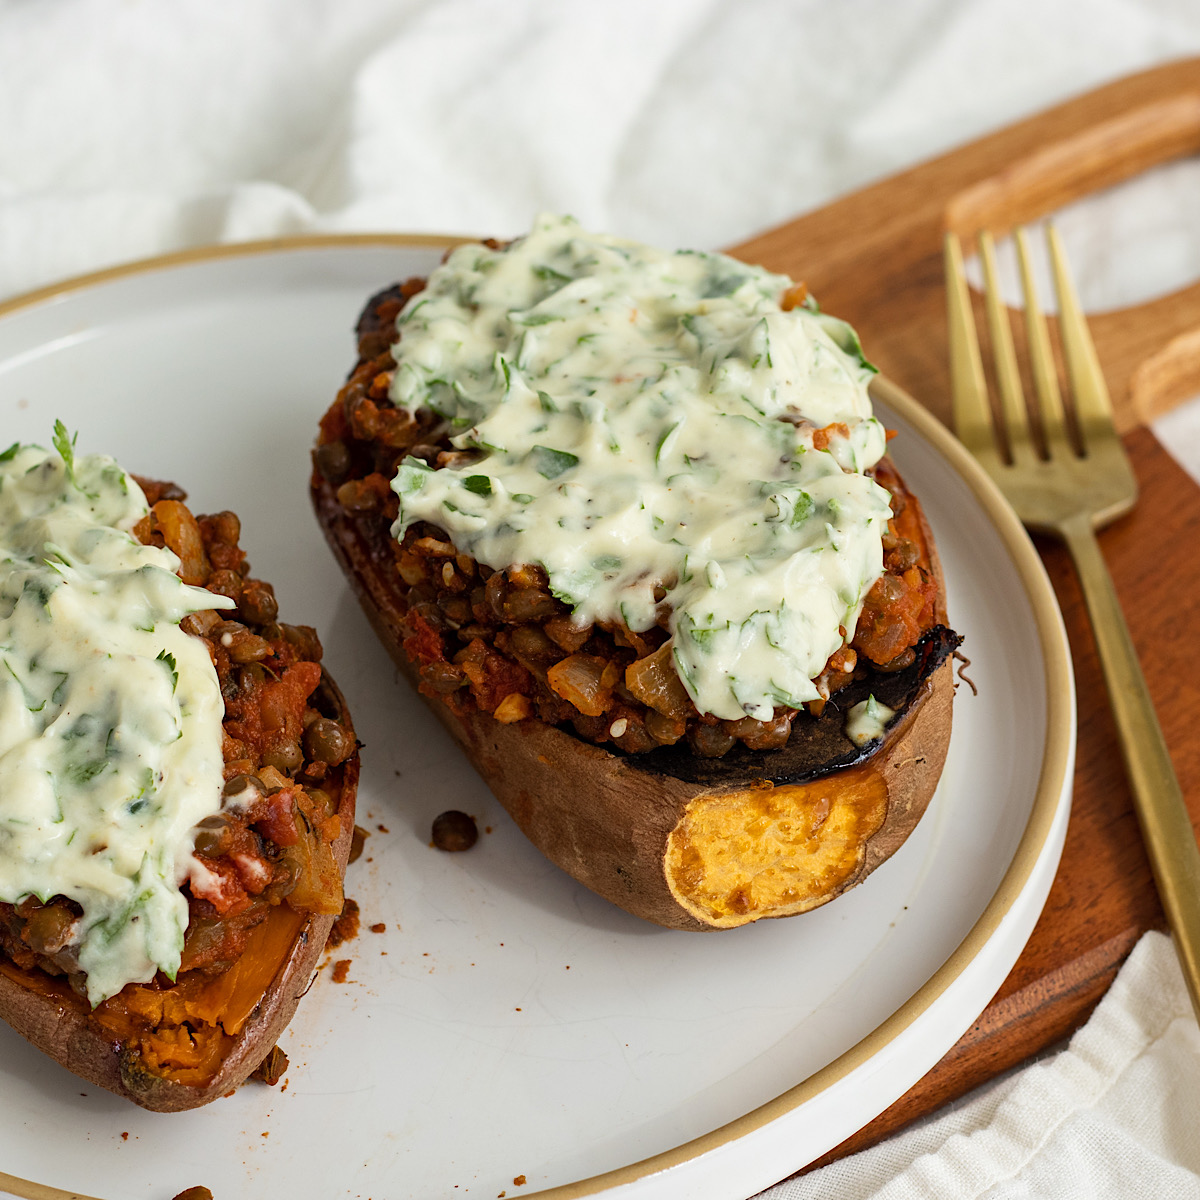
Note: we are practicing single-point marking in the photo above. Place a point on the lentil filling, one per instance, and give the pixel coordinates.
(498, 641)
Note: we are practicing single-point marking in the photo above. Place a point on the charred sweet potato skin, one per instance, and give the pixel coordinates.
(255, 931)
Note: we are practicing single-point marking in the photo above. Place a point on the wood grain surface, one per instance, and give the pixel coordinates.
(875, 258)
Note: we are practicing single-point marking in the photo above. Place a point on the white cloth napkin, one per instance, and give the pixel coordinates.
(129, 128)
(1116, 1115)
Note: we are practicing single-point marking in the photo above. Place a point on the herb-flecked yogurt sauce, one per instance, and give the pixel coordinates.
(110, 715)
(646, 418)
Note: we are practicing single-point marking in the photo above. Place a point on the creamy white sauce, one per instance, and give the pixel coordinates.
(647, 420)
(110, 715)
(868, 720)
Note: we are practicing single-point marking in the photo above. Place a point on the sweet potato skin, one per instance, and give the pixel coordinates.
(58, 1023)
(601, 817)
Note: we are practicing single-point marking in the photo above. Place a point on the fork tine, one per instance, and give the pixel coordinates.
(1041, 358)
(1093, 409)
(972, 413)
(1008, 375)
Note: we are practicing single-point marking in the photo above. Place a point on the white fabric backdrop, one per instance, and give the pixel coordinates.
(129, 128)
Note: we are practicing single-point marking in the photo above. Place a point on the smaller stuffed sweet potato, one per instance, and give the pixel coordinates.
(258, 879)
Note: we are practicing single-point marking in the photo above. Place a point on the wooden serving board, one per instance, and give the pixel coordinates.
(875, 258)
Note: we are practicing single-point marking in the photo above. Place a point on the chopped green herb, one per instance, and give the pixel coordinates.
(169, 661)
(550, 275)
(662, 441)
(411, 476)
(681, 668)
(411, 311)
(535, 318)
(65, 445)
(845, 337)
(766, 343)
(802, 511)
(80, 773)
(572, 586)
(39, 592)
(550, 464)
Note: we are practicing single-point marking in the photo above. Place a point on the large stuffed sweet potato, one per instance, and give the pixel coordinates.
(625, 519)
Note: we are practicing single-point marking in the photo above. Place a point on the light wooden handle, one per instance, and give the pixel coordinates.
(1067, 168)
(1166, 826)
(1152, 349)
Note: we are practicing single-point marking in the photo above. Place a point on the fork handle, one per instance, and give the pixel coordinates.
(1158, 800)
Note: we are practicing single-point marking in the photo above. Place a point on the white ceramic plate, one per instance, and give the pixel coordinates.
(508, 1023)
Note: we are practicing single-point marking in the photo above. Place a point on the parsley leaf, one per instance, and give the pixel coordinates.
(550, 464)
(534, 318)
(550, 275)
(169, 660)
(65, 445)
(82, 772)
(802, 510)
(845, 337)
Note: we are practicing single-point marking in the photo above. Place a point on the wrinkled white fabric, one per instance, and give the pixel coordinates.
(130, 127)
(1116, 1115)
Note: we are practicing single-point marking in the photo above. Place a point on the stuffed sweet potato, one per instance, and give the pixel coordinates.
(164, 898)
(626, 519)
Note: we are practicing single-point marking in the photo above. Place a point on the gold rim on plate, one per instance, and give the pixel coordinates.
(1051, 782)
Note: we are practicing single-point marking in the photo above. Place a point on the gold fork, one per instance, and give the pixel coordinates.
(1055, 490)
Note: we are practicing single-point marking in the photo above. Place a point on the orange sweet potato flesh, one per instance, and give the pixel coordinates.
(687, 850)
